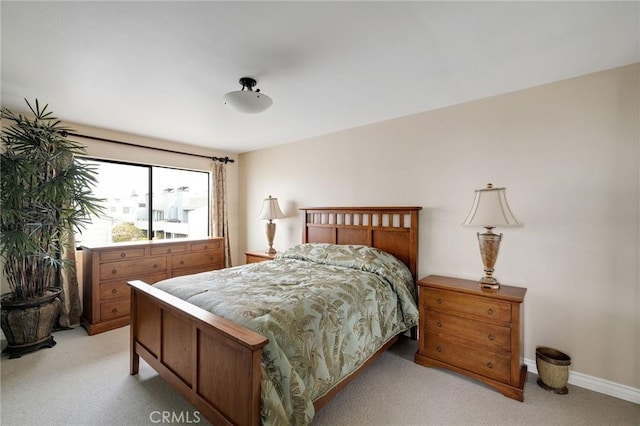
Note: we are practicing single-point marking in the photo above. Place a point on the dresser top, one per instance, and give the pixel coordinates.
(505, 292)
(126, 244)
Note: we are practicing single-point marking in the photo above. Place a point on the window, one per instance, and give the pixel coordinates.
(147, 202)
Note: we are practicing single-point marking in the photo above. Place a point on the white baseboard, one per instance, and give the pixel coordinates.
(595, 384)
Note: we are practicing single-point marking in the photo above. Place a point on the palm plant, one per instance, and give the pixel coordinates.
(45, 196)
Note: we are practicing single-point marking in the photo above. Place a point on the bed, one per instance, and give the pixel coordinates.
(235, 367)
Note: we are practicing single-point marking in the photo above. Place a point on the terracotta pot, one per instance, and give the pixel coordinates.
(27, 325)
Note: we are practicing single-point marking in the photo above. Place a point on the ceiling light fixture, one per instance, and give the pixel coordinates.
(248, 101)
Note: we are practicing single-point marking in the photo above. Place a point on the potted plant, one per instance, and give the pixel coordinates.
(45, 197)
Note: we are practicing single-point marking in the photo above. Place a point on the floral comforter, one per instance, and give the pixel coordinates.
(324, 308)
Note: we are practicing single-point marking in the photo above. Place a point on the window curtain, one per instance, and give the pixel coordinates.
(219, 208)
(70, 309)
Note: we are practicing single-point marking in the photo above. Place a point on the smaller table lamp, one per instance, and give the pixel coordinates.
(270, 210)
(489, 210)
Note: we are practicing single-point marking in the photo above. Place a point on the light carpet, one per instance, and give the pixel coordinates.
(84, 380)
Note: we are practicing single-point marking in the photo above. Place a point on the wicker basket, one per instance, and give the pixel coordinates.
(553, 369)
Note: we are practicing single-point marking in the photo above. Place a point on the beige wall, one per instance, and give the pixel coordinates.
(568, 153)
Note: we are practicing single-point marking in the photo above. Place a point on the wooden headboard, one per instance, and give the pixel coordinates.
(391, 229)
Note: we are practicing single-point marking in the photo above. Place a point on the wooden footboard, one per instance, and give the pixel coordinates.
(213, 362)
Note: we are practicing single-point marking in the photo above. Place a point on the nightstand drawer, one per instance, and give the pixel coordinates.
(255, 259)
(478, 307)
(258, 256)
(494, 337)
(488, 364)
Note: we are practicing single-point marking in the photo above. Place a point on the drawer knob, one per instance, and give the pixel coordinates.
(113, 271)
(114, 291)
(182, 262)
(490, 337)
(439, 324)
(155, 266)
(490, 311)
(114, 310)
(438, 349)
(168, 250)
(439, 301)
(489, 365)
(123, 255)
(206, 247)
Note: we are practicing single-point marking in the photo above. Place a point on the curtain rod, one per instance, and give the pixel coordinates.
(224, 160)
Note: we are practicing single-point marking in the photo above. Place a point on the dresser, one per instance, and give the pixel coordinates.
(107, 268)
(478, 333)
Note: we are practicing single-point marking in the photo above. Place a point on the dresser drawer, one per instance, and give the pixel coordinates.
(133, 268)
(478, 307)
(189, 271)
(172, 249)
(209, 259)
(115, 309)
(207, 245)
(494, 337)
(119, 288)
(128, 253)
(488, 364)
(114, 290)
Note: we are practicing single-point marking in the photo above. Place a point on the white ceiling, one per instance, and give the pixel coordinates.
(160, 69)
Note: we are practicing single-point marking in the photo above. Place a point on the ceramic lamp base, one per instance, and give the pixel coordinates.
(489, 245)
(271, 233)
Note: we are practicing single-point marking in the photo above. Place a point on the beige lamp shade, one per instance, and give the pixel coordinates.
(490, 209)
(270, 209)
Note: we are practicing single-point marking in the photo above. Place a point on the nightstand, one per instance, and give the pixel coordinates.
(478, 333)
(258, 256)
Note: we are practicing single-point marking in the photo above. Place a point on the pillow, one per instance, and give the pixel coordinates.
(361, 257)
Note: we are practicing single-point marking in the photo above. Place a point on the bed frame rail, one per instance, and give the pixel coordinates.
(208, 359)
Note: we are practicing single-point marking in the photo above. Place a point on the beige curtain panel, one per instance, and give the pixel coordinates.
(219, 208)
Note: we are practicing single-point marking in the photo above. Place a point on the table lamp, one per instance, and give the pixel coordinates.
(490, 209)
(270, 210)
